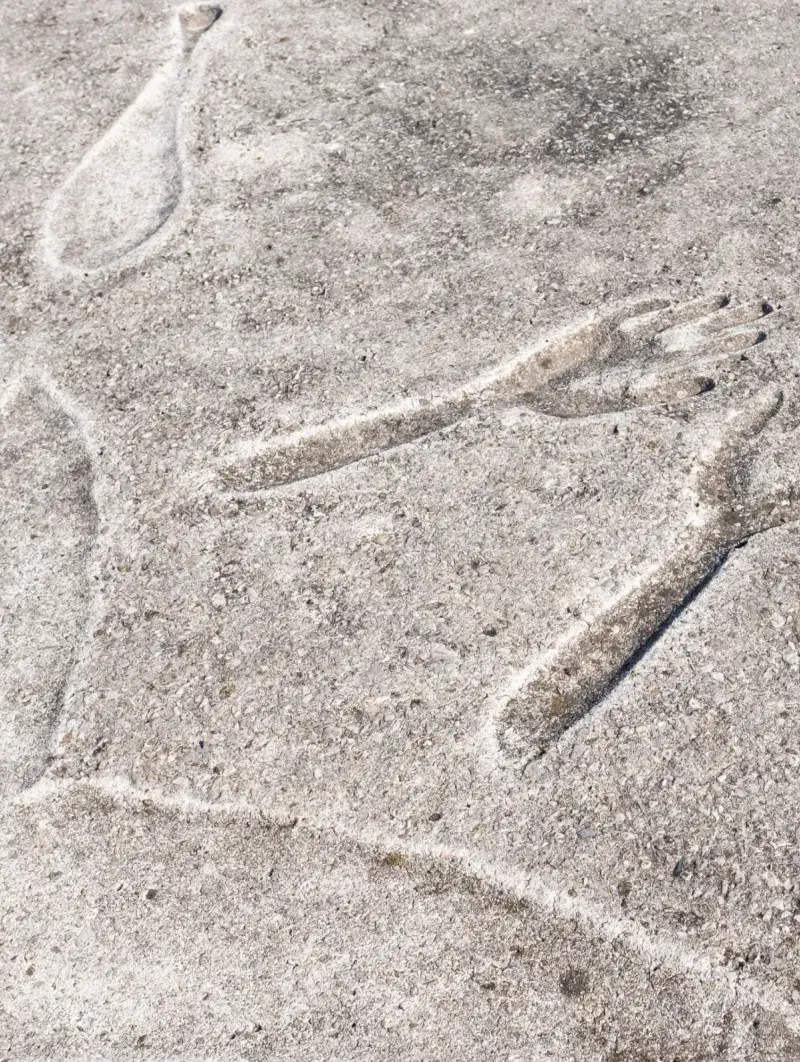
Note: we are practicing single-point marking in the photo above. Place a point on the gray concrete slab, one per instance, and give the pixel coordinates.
(399, 477)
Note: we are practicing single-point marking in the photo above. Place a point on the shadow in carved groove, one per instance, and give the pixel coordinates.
(595, 367)
(131, 181)
(49, 523)
(745, 482)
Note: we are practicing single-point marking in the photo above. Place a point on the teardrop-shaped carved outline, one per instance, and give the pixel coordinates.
(164, 92)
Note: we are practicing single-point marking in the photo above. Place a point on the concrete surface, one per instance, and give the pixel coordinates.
(400, 477)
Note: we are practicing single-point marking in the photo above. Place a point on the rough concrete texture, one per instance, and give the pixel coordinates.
(399, 475)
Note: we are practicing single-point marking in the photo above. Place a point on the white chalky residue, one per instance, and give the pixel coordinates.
(130, 182)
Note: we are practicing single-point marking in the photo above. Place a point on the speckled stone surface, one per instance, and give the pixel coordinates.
(399, 482)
